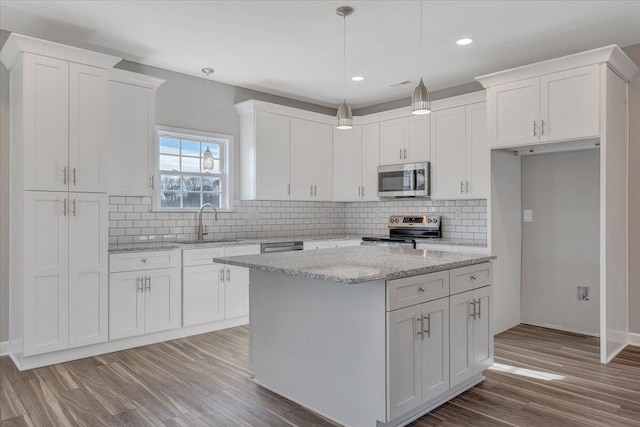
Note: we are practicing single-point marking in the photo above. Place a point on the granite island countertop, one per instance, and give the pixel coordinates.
(169, 245)
(357, 264)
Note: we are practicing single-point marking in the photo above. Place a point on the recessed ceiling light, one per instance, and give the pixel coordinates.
(464, 42)
(357, 78)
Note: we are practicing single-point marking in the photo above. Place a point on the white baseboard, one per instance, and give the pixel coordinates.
(4, 348)
(37, 361)
(634, 339)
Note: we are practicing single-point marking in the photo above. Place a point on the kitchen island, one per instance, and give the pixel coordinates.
(369, 336)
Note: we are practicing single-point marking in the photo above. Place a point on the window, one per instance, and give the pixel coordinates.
(187, 179)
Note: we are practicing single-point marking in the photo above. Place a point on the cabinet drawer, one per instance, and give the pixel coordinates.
(242, 250)
(474, 276)
(200, 256)
(143, 261)
(417, 289)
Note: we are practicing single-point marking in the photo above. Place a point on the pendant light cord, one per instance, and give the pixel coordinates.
(421, 37)
(344, 57)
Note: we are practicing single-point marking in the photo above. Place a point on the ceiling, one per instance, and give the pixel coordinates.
(294, 48)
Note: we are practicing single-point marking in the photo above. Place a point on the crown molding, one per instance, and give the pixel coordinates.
(136, 79)
(617, 60)
(17, 44)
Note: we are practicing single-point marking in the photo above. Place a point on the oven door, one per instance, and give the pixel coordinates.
(406, 180)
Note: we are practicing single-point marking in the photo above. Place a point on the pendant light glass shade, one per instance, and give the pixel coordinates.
(421, 99)
(207, 160)
(345, 118)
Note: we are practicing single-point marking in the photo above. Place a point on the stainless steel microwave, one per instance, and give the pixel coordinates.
(405, 180)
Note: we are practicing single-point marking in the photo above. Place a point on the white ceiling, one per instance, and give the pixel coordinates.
(294, 48)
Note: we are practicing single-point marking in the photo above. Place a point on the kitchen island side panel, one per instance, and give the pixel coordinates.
(321, 344)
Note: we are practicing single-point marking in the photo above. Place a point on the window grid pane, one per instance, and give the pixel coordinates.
(187, 185)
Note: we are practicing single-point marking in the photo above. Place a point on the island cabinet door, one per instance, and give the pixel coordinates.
(404, 360)
(461, 337)
(435, 348)
(482, 332)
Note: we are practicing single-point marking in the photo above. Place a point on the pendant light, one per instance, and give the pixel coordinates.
(344, 117)
(421, 99)
(207, 158)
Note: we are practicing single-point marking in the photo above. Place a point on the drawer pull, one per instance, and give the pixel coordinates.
(473, 277)
(144, 260)
(421, 289)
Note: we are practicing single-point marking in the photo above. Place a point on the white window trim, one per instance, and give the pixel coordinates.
(228, 166)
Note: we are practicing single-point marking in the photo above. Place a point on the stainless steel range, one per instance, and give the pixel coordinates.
(404, 229)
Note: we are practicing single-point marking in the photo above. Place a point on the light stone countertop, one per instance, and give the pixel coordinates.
(159, 246)
(357, 264)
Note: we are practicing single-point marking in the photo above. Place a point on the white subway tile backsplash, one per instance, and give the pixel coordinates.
(131, 219)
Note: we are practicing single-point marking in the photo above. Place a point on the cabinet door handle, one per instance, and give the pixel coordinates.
(428, 330)
(64, 175)
(467, 187)
(542, 127)
(73, 207)
(228, 275)
(362, 191)
(401, 154)
(311, 190)
(74, 176)
(461, 187)
(359, 191)
(148, 289)
(315, 190)
(222, 275)
(405, 154)
(535, 128)
(152, 182)
(479, 308)
(288, 189)
(419, 319)
(139, 284)
(473, 314)
(64, 207)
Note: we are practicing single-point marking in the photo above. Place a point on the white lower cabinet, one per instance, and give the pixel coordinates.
(144, 300)
(471, 336)
(435, 345)
(65, 274)
(418, 355)
(213, 291)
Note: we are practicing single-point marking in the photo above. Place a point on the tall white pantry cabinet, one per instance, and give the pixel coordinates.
(58, 237)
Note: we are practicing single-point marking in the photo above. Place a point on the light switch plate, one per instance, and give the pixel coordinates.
(528, 215)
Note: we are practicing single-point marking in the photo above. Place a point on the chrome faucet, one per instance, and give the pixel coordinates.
(202, 231)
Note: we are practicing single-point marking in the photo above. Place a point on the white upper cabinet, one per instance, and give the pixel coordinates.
(460, 156)
(63, 124)
(404, 140)
(569, 104)
(553, 107)
(87, 128)
(311, 160)
(40, 85)
(131, 133)
(448, 153)
(347, 164)
(356, 163)
(370, 161)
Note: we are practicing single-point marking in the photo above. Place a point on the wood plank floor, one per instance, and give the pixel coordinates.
(541, 378)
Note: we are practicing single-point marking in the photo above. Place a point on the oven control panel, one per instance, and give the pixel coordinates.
(415, 221)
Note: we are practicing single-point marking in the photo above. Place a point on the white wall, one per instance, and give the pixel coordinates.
(561, 247)
(506, 238)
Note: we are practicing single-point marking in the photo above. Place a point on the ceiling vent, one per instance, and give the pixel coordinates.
(406, 82)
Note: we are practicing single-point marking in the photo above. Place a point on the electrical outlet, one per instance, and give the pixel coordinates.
(528, 215)
(583, 293)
